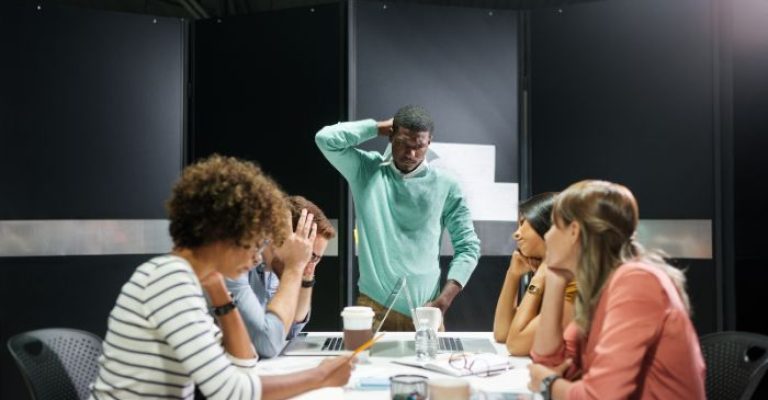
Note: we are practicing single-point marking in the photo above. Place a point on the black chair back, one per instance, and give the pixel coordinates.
(736, 363)
(57, 363)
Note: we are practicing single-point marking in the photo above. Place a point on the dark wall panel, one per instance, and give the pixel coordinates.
(623, 90)
(263, 85)
(85, 97)
(91, 127)
(750, 129)
(48, 292)
(461, 65)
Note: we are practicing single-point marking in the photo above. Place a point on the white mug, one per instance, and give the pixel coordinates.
(432, 315)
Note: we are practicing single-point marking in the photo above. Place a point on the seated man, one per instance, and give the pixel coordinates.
(274, 298)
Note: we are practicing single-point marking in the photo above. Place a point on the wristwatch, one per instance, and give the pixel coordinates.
(546, 386)
(533, 289)
(224, 309)
(308, 283)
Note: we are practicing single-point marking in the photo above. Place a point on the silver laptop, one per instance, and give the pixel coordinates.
(446, 344)
(304, 345)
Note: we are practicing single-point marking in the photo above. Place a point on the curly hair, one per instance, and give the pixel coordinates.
(223, 198)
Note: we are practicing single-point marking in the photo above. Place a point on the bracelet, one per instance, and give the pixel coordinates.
(533, 289)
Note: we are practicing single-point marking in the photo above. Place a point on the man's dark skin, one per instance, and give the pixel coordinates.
(409, 149)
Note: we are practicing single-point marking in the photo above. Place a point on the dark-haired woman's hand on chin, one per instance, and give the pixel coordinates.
(337, 370)
(519, 264)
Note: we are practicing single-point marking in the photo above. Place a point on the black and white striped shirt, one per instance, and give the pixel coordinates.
(161, 341)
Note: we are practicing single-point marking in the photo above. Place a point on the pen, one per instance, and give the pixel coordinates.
(367, 344)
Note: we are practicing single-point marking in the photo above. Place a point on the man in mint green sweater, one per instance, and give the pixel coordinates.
(402, 206)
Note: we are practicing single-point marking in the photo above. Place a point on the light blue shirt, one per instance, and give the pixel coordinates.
(252, 292)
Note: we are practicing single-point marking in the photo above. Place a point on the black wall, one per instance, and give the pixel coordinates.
(624, 91)
(262, 86)
(749, 42)
(91, 127)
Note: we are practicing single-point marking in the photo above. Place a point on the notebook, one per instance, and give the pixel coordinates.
(304, 345)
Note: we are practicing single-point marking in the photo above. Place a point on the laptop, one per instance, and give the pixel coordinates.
(304, 345)
(326, 345)
(446, 344)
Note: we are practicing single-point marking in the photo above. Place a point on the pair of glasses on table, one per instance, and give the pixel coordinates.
(473, 364)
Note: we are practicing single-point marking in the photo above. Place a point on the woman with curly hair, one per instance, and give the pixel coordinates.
(631, 337)
(161, 340)
(515, 323)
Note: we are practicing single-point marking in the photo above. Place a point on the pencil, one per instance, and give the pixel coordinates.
(367, 344)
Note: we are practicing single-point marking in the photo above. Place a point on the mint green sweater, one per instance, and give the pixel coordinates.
(400, 221)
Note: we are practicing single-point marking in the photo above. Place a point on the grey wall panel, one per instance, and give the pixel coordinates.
(459, 63)
(623, 90)
(90, 108)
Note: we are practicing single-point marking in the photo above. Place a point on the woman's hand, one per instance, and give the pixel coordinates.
(519, 264)
(337, 370)
(214, 285)
(538, 372)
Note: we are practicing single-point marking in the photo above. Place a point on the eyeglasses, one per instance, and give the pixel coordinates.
(315, 258)
(259, 249)
(473, 365)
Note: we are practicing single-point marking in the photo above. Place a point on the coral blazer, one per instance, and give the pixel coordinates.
(641, 344)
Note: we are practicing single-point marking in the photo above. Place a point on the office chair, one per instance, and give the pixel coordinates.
(736, 363)
(57, 363)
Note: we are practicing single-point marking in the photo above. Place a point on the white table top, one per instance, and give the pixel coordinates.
(514, 380)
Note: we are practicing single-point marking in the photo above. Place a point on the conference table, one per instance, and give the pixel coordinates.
(508, 385)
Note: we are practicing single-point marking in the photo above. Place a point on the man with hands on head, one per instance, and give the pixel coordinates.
(275, 297)
(402, 207)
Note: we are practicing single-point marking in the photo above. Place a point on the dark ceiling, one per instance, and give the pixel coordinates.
(197, 9)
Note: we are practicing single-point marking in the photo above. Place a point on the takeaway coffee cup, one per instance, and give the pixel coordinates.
(449, 389)
(358, 323)
(432, 315)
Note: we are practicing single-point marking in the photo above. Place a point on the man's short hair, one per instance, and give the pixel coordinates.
(324, 226)
(413, 118)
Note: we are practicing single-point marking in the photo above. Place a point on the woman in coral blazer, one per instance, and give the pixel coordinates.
(631, 337)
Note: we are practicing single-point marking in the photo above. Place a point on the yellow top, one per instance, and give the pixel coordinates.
(571, 291)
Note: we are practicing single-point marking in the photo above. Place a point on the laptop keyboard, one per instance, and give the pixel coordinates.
(450, 344)
(446, 344)
(333, 344)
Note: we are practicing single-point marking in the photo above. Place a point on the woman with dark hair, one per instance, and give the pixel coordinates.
(515, 323)
(631, 337)
(161, 341)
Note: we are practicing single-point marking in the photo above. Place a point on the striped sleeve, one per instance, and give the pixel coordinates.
(174, 303)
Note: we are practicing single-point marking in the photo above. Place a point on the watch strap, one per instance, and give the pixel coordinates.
(308, 283)
(224, 309)
(546, 386)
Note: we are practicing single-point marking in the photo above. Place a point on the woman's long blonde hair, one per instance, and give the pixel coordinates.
(607, 215)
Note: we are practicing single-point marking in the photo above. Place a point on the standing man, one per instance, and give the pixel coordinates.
(402, 207)
(274, 298)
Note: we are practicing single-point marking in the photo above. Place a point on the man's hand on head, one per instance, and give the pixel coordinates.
(297, 248)
(385, 127)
